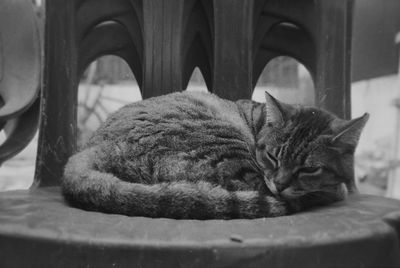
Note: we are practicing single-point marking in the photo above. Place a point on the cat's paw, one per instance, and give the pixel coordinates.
(294, 206)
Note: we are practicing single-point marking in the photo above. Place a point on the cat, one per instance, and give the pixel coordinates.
(192, 155)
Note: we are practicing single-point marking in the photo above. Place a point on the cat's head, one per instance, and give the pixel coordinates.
(307, 151)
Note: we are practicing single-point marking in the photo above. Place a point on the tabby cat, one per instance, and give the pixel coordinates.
(194, 155)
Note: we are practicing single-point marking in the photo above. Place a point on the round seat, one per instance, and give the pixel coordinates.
(39, 230)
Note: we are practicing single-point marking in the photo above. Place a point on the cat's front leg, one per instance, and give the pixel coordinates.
(309, 201)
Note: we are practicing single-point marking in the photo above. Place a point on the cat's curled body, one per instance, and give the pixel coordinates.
(197, 156)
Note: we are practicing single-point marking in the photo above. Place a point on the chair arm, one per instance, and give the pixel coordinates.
(20, 68)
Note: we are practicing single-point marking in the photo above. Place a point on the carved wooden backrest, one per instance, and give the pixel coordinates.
(230, 41)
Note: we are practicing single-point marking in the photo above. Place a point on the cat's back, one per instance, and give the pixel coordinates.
(190, 111)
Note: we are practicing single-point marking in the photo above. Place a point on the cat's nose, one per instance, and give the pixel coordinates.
(282, 180)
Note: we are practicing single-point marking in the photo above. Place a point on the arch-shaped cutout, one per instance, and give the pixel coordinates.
(128, 13)
(106, 85)
(97, 44)
(197, 82)
(283, 38)
(288, 80)
(298, 14)
(197, 40)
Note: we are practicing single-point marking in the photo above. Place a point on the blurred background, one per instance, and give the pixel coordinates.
(108, 84)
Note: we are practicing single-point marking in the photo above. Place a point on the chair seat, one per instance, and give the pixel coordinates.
(37, 229)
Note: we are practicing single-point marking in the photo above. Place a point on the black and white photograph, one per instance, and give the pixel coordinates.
(200, 133)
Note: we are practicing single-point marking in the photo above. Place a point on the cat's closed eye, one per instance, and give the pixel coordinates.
(317, 176)
(310, 170)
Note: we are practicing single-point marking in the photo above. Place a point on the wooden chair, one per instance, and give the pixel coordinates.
(19, 76)
(163, 41)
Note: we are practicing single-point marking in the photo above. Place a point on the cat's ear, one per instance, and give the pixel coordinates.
(349, 132)
(276, 111)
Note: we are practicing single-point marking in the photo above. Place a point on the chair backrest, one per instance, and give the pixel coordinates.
(163, 41)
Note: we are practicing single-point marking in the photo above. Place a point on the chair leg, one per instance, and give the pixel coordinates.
(57, 138)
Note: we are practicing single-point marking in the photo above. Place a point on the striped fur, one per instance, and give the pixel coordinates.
(184, 156)
(86, 187)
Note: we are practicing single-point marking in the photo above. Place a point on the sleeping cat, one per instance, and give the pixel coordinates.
(194, 155)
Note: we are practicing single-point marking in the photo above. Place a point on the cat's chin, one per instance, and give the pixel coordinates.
(323, 196)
